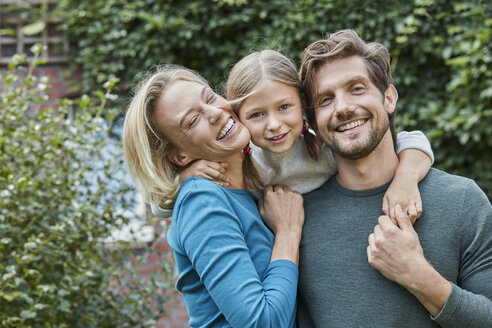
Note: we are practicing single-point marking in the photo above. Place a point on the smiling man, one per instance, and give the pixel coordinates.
(359, 268)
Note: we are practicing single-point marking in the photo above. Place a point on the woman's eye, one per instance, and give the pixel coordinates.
(284, 107)
(255, 115)
(211, 97)
(193, 121)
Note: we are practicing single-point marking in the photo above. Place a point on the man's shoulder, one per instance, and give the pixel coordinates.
(452, 188)
(442, 179)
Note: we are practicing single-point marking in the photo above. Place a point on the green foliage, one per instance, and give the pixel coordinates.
(60, 199)
(441, 53)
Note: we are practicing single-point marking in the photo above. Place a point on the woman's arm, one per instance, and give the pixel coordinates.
(213, 238)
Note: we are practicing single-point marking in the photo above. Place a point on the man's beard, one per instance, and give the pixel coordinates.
(362, 148)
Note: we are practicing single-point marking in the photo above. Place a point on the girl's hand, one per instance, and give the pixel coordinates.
(212, 171)
(282, 209)
(412, 168)
(403, 192)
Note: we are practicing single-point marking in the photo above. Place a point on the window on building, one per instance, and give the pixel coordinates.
(24, 23)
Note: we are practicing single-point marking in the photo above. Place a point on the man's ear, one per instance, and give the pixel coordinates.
(179, 157)
(390, 99)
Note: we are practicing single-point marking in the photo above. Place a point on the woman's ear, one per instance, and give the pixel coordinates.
(179, 157)
(390, 99)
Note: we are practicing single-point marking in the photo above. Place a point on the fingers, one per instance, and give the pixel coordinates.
(418, 206)
(385, 205)
(412, 213)
(261, 207)
(403, 221)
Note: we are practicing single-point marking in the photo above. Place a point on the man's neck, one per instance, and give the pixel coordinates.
(371, 171)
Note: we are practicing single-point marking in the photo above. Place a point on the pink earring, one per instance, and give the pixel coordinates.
(246, 150)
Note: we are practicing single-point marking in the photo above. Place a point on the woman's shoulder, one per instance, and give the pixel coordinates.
(199, 184)
(204, 191)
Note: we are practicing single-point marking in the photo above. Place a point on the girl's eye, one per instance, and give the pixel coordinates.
(284, 107)
(255, 115)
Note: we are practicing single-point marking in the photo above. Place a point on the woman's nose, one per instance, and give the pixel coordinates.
(214, 113)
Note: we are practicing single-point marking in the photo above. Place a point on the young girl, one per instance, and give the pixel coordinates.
(265, 92)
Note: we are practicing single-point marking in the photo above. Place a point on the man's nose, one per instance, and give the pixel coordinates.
(343, 104)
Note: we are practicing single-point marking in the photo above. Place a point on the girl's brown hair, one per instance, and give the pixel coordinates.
(266, 65)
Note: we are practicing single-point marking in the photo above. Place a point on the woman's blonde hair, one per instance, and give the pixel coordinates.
(147, 149)
(260, 66)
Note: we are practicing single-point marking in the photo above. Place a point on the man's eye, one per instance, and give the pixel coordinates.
(357, 89)
(284, 107)
(325, 101)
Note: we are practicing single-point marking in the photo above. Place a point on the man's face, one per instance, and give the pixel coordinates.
(351, 113)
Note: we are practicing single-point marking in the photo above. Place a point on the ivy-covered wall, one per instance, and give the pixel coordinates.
(441, 53)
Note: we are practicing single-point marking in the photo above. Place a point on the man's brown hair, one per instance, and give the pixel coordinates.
(339, 45)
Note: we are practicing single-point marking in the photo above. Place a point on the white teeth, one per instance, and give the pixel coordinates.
(350, 125)
(278, 137)
(226, 129)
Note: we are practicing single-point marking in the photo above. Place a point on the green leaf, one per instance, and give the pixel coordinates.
(34, 28)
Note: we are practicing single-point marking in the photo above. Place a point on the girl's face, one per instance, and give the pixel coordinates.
(200, 123)
(273, 116)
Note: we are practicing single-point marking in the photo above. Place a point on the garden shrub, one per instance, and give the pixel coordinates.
(441, 53)
(61, 197)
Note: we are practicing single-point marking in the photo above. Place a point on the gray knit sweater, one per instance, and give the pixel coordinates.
(337, 286)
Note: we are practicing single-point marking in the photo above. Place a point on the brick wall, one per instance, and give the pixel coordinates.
(176, 315)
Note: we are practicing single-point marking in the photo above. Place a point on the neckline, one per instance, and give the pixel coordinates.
(357, 193)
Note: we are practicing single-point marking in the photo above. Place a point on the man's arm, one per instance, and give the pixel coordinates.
(396, 252)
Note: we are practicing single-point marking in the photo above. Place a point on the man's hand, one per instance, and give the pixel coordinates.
(395, 251)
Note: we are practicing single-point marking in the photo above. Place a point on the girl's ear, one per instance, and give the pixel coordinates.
(390, 98)
(179, 157)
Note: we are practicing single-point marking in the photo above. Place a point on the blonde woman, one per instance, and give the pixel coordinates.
(233, 271)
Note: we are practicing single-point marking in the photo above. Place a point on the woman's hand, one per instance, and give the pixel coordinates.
(212, 171)
(283, 211)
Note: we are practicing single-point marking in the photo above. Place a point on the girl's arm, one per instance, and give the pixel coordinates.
(416, 157)
(283, 212)
(209, 170)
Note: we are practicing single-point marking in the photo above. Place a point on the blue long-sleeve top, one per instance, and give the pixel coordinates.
(222, 250)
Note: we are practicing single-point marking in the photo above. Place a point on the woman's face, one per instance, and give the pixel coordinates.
(200, 122)
(273, 116)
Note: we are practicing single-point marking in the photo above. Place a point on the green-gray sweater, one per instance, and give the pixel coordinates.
(338, 288)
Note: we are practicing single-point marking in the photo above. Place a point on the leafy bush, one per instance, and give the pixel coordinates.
(441, 53)
(60, 199)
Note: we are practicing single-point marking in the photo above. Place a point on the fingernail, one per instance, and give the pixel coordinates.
(398, 208)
